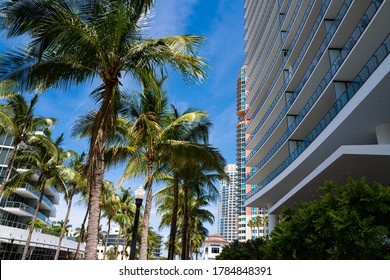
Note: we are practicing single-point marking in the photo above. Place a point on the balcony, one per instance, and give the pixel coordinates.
(21, 209)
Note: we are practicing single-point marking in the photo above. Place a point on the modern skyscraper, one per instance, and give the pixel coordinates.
(17, 209)
(227, 211)
(244, 214)
(317, 96)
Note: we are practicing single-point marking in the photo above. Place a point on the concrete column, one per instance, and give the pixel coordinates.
(272, 219)
(383, 133)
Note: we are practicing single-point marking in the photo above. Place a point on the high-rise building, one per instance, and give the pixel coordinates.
(17, 210)
(317, 96)
(227, 208)
(244, 214)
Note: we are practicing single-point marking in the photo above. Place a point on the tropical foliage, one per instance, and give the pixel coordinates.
(249, 250)
(350, 221)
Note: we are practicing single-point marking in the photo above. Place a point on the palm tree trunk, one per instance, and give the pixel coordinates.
(81, 237)
(143, 251)
(8, 169)
(106, 241)
(64, 225)
(172, 234)
(94, 203)
(32, 226)
(189, 252)
(103, 125)
(184, 228)
(265, 222)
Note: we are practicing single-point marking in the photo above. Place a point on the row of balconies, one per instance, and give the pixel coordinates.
(26, 190)
(262, 65)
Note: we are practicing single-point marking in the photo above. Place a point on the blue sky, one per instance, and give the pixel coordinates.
(221, 22)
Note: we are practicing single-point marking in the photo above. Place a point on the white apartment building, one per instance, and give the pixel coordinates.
(227, 207)
(317, 97)
(17, 209)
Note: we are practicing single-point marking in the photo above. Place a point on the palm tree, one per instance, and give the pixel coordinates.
(259, 222)
(197, 213)
(60, 225)
(74, 41)
(75, 182)
(251, 224)
(17, 119)
(199, 178)
(183, 144)
(43, 157)
(125, 214)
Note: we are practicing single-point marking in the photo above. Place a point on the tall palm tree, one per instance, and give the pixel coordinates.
(74, 41)
(17, 119)
(43, 157)
(74, 177)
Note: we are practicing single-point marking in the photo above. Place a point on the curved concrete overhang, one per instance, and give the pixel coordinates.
(370, 161)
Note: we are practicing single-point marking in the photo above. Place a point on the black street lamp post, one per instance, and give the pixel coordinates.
(139, 195)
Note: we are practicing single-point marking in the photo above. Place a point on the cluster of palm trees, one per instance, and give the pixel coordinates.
(71, 42)
(259, 222)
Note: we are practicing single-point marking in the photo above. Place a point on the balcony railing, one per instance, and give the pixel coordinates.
(299, 60)
(13, 224)
(366, 18)
(373, 63)
(257, 27)
(254, 80)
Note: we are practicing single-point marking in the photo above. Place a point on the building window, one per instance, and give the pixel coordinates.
(214, 250)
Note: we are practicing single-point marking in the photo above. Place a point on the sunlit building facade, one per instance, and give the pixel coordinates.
(317, 97)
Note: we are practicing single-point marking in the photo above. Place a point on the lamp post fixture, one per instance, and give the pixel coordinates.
(139, 196)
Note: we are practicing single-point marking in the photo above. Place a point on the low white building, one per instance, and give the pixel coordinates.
(213, 246)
